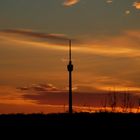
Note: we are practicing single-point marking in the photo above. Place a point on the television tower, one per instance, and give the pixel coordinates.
(70, 69)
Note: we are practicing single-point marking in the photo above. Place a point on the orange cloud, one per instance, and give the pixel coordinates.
(125, 44)
(10, 95)
(136, 5)
(70, 2)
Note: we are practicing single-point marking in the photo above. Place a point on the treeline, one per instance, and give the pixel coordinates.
(121, 102)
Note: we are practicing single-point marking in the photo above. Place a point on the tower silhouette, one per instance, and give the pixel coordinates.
(70, 69)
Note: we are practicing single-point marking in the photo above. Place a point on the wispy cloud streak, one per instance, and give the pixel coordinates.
(53, 38)
(126, 44)
(37, 34)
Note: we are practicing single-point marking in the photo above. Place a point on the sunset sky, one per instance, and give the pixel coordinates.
(34, 51)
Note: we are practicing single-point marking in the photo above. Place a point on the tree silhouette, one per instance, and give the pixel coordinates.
(113, 101)
(138, 109)
(127, 102)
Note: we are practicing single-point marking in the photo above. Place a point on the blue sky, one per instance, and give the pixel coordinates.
(88, 17)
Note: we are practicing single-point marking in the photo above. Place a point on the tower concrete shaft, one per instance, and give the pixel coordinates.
(70, 69)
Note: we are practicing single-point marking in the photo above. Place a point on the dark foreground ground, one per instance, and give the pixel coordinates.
(82, 121)
(96, 126)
